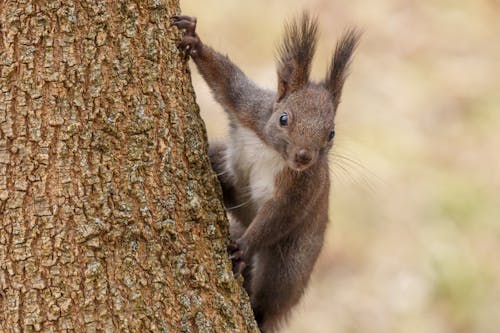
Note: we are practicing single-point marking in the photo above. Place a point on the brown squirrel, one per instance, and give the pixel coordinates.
(274, 168)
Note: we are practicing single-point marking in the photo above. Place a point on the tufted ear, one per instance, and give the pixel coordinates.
(295, 54)
(339, 66)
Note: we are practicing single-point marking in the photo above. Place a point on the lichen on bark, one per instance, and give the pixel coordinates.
(110, 215)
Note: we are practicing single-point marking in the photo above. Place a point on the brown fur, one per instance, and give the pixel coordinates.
(277, 229)
(295, 55)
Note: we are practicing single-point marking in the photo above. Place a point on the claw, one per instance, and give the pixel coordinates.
(190, 42)
(184, 22)
(236, 255)
(237, 258)
(232, 247)
(183, 17)
(189, 26)
(238, 268)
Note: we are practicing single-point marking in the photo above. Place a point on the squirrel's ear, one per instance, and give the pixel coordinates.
(339, 66)
(295, 54)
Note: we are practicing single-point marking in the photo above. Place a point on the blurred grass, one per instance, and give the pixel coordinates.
(415, 233)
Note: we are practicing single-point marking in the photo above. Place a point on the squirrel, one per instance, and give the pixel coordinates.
(273, 169)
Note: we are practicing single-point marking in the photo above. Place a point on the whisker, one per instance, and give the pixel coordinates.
(342, 173)
(348, 165)
(240, 205)
(222, 173)
(357, 164)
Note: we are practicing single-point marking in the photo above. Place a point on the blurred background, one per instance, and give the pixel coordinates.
(414, 239)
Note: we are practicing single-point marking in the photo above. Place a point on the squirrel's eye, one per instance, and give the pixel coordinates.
(283, 120)
(332, 135)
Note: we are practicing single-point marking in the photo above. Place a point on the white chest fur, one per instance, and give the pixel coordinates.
(253, 160)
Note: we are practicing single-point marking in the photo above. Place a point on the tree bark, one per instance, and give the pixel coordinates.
(110, 215)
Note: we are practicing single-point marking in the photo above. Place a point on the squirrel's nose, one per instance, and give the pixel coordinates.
(303, 156)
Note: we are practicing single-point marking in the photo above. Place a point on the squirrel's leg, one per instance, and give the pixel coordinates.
(217, 153)
(218, 158)
(236, 198)
(230, 86)
(279, 279)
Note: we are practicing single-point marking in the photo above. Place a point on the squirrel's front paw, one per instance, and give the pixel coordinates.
(190, 42)
(237, 256)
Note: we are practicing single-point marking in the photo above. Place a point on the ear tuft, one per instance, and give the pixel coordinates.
(295, 54)
(339, 66)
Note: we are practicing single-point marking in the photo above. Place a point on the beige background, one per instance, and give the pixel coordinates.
(414, 241)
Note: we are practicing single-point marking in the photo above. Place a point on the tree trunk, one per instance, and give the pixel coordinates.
(110, 215)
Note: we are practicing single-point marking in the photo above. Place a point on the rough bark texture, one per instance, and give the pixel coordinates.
(110, 216)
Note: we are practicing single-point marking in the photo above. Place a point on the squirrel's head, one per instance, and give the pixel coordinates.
(302, 125)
